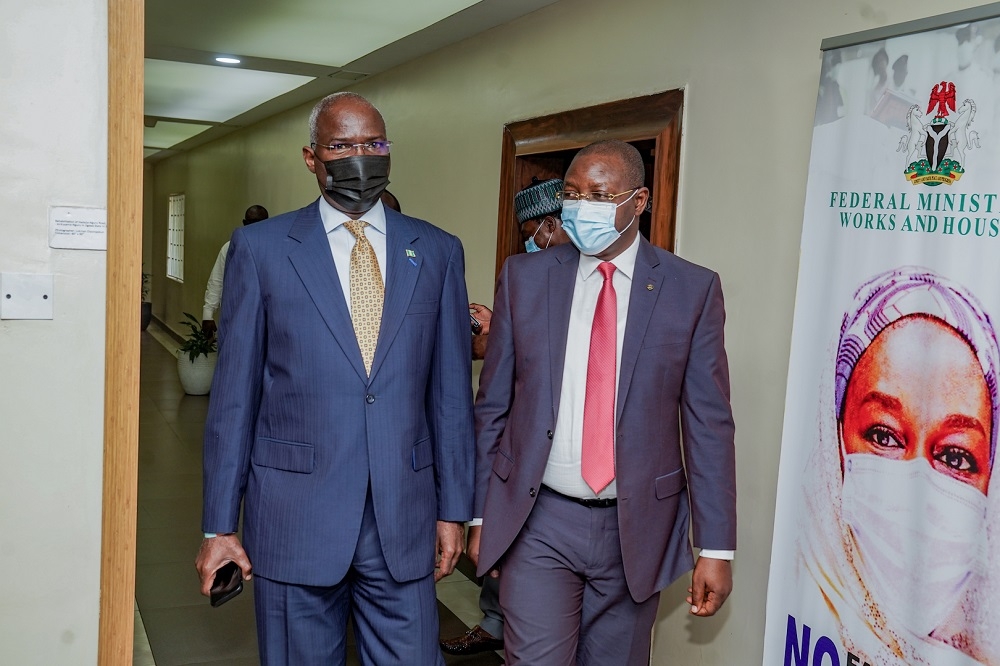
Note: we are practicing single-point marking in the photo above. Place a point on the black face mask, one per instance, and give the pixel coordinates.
(355, 183)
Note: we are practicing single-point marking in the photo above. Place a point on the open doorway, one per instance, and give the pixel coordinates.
(543, 147)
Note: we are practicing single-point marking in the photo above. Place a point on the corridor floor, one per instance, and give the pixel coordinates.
(180, 625)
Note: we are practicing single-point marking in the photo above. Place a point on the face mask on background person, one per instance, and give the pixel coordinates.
(591, 224)
(531, 246)
(355, 183)
(918, 534)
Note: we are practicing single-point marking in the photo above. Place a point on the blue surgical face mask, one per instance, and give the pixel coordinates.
(591, 224)
(531, 246)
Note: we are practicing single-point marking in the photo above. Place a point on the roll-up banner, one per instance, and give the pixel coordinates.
(887, 521)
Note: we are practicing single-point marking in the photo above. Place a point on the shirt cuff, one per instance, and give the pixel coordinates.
(718, 554)
(475, 522)
(210, 535)
(207, 313)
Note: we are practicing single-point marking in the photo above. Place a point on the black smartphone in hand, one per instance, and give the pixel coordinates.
(228, 583)
(476, 326)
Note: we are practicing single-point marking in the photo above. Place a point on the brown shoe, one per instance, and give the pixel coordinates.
(473, 641)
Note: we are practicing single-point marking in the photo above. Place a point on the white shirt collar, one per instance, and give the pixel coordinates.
(333, 218)
(624, 262)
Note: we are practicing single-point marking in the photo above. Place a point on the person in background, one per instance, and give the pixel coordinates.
(538, 215)
(878, 78)
(899, 82)
(829, 102)
(480, 336)
(537, 212)
(213, 292)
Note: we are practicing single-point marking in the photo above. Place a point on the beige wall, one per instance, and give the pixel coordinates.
(147, 217)
(750, 72)
(53, 137)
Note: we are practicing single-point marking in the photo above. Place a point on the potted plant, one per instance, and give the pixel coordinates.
(196, 358)
(147, 307)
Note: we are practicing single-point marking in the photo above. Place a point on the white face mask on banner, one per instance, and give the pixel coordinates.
(918, 534)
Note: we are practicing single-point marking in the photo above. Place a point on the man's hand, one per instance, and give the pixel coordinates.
(208, 326)
(449, 548)
(479, 346)
(483, 315)
(475, 532)
(214, 554)
(472, 547)
(711, 583)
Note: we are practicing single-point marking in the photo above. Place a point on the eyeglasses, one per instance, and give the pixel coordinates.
(563, 195)
(369, 147)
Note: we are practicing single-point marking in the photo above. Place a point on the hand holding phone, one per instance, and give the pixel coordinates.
(228, 583)
(480, 316)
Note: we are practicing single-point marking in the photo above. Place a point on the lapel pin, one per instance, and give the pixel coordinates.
(411, 253)
(649, 287)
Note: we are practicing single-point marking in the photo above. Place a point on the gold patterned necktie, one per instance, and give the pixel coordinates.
(367, 292)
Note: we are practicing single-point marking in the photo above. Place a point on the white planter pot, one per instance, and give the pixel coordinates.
(196, 376)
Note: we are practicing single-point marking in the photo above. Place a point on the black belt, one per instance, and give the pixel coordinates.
(589, 503)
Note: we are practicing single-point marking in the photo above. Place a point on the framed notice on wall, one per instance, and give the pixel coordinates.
(76, 228)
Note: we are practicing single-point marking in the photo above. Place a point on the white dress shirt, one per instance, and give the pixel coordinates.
(563, 472)
(213, 292)
(342, 241)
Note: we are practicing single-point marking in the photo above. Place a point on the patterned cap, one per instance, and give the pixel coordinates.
(538, 199)
(910, 290)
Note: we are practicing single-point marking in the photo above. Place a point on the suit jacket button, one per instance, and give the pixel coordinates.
(369, 398)
(549, 434)
(531, 492)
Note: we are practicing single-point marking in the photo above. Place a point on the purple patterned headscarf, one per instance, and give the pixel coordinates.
(911, 290)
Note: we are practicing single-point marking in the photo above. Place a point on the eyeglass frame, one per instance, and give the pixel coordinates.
(560, 196)
(366, 147)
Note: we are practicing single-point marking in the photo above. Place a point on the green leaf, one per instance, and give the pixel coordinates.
(196, 342)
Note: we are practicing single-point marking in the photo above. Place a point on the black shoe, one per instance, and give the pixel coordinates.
(473, 641)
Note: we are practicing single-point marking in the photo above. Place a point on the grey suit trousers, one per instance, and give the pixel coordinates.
(489, 603)
(563, 591)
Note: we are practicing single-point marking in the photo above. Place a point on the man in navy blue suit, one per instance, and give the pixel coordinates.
(341, 412)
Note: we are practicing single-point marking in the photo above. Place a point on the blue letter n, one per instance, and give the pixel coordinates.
(796, 654)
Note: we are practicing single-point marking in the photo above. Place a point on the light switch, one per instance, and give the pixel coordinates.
(26, 296)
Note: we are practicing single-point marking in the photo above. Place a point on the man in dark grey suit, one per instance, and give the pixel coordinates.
(601, 353)
(341, 412)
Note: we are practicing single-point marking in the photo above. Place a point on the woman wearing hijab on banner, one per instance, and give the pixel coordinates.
(900, 537)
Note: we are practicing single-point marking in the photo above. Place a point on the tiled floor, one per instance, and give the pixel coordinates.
(180, 625)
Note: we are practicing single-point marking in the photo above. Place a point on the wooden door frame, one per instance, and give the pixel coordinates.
(656, 116)
(121, 347)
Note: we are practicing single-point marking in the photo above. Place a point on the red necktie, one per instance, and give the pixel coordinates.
(598, 464)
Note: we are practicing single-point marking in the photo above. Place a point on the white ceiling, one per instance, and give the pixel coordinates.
(325, 32)
(215, 94)
(164, 134)
(291, 52)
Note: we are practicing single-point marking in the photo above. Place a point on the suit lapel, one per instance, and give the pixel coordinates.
(642, 298)
(402, 267)
(562, 282)
(313, 262)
